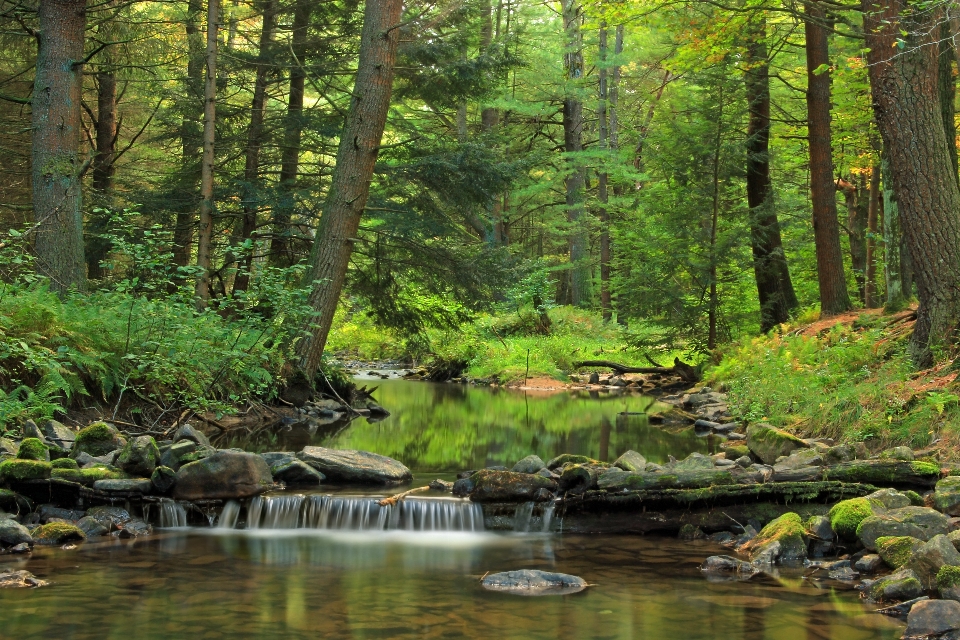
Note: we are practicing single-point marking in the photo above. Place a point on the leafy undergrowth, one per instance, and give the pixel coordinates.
(497, 347)
(847, 378)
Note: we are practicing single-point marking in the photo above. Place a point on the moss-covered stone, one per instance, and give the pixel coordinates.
(896, 551)
(565, 458)
(140, 456)
(948, 577)
(769, 443)
(788, 531)
(897, 587)
(33, 449)
(736, 452)
(881, 472)
(65, 463)
(846, 516)
(57, 533)
(17, 470)
(89, 476)
(98, 439)
(915, 498)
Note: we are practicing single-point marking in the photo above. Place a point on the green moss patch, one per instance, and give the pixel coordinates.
(846, 516)
(896, 551)
(98, 439)
(566, 458)
(948, 577)
(57, 533)
(19, 470)
(788, 530)
(65, 463)
(916, 499)
(33, 449)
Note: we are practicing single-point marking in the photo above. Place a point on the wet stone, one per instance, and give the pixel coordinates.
(870, 563)
(530, 464)
(19, 580)
(92, 527)
(896, 587)
(932, 618)
(188, 432)
(108, 516)
(347, 465)
(136, 485)
(297, 473)
(14, 533)
(528, 582)
(727, 565)
(135, 529)
(48, 511)
(163, 479)
(927, 560)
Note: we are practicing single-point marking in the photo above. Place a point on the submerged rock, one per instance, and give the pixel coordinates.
(507, 486)
(223, 476)
(530, 464)
(769, 443)
(726, 565)
(347, 465)
(932, 618)
(19, 579)
(527, 582)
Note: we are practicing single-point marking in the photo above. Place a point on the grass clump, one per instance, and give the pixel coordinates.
(845, 517)
(33, 449)
(18, 470)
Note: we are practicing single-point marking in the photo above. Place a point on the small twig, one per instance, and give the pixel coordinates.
(392, 500)
(337, 395)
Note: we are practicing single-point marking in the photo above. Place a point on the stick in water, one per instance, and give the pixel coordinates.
(392, 500)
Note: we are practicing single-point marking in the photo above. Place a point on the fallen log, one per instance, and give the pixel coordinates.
(686, 372)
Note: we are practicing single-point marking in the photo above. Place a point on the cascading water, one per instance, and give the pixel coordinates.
(524, 519)
(229, 515)
(360, 514)
(171, 514)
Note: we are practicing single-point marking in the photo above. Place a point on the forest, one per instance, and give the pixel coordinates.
(203, 201)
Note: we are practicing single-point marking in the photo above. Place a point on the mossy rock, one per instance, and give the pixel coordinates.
(915, 498)
(788, 531)
(896, 551)
(948, 577)
(98, 439)
(736, 452)
(845, 517)
(17, 470)
(769, 443)
(89, 476)
(33, 449)
(57, 533)
(565, 458)
(884, 472)
(65, 463)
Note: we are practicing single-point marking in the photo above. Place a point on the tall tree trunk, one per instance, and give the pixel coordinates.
(774, 286)
(602, 179)
(948, 92)
(56, 144)
(856, 231)
(96, 248)
(205, 232)
(613, 103)
(826, 228)
(251, 166)
(904, 82)
(713, 302)
(190, 137)
(280, 253)
(489, 121)
(356, 158)
(578, 240)
(897, 272)
(873, 213)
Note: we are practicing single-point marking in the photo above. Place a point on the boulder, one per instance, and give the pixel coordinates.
(31, 430)
(719, 565)
(175, 454)
(564, 458)
(109, 517)
(530, 464)
(922, 523)
(890, 498)
(801, 458)
(768, 443)
(528, 582)
(578, 478)
(346, 465)
(896, 587)
(932, 618)
(898, 453)
(896, 551)
(948, 582)
(946, 497)
(930, 557)
(782, 539)
(135, 528)
(507, 486)
(274, 458)
(819, 527)
(139, 457)
(48, 512)
(132, 485)
(91, 527)
(869, 563)
(297, 473)
(838, 454)
(59, 434)
(58, 533)
(225, 475)
(16, 470)
(33, 449)
(694, 462)
(98, 439)
(163, 479)
(13, 533)
(187, 432)
(8, 448)
(846, 516)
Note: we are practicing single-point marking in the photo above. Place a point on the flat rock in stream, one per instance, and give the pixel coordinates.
(508, 486)
(19, 579)
(347, 465)
(527, 582)
(225, 475)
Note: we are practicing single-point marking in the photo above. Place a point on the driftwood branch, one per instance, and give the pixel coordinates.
(679, 368)
(392, 500)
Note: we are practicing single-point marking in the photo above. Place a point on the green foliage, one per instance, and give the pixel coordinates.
(33, 449)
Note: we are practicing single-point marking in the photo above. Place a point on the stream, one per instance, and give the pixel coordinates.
(330, 564)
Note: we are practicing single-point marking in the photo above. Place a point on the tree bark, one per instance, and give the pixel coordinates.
(873, 214)
(205, 232)
(613, 103)
(602, 178)
(96, 248)
(948, 92)
(190, 137)
(897, 272)
(904, 80)
(774, 286)
(356, 158)
(251, 166)
(834, 298)
(856, 231)
(280, 252)
(578, 239)
(56, 143)
(489, 122)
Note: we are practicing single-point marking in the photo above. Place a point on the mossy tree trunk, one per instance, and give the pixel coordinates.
(56, 143)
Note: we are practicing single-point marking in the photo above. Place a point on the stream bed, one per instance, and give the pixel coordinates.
(326, 565)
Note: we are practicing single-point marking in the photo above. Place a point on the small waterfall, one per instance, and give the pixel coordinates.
(229, 515)
(524, 520)
(360, 514)
(172, 514)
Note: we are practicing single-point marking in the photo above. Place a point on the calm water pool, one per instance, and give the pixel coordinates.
(301, 583)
